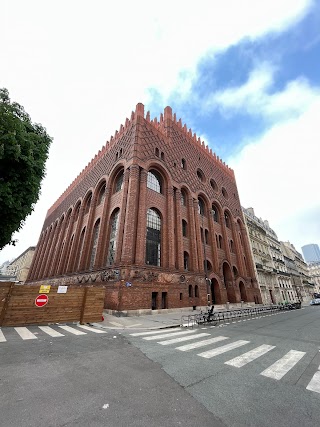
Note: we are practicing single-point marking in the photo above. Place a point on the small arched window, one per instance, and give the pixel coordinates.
(186, 261)
(114, 226)
(77, 213)
(184, 228)
(153, 238)
(190, 291)
(81, 246)
(183, 164)
(154, 181)
(206, 236)
(231, 246)
(156, 151)
(119, 182)
(220, 242)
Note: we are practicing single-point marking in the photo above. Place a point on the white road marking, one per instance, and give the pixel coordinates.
(158, 331)
(135, 324)
(201, 343)
(2, 337)
(50, 331)
(283, 365)
(72, 330)
(89, 328)
(245, 358)
(180, 339)
(314, 384)
(116, 324)
(172, 334)
(223, 349)
(25, 334)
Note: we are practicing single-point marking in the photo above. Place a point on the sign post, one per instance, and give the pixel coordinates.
(41, 300)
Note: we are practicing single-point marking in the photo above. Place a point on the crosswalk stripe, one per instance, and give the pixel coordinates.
(173, 334)
(135, 324)
(201, 343)
(245, 358)
(72, 330)
(283, 365)
(25, 334)
(116, 324)
(2, 337)
(180, 339)
(159, 331)
(89, 328)
(223, 349)
(50, 331)
(314, 384)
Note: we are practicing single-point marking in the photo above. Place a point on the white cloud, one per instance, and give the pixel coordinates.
(80, 67)
(278, 175)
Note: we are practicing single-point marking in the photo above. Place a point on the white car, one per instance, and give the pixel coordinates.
(315, 301)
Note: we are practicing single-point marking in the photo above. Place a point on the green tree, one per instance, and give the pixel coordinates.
(24, 149)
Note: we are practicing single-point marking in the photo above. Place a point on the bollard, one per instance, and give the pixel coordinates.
(227, 305)
(242, 303)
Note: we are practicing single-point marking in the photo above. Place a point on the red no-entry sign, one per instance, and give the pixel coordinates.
(41, 300)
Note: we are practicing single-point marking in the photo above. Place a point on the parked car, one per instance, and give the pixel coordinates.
(315, 301)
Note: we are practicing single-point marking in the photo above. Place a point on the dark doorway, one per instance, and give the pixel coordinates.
(164, 300)
(243, 295)
(154, 300)
(271, 296)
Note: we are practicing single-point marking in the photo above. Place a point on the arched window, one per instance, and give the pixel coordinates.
(154, 181)
(215, 214)
(81, 246)
(206, 236)
(186, 261)
(119, 182)
(157, 152)
(184, 228)
(220, 242)
(88, 203)
(190, 291)
(114, 225)
(77, 212)
(207, 265)
(201, 207)
(102, 194)
(196, 291)
(183, 164)
(183, 198)
(227, 220)
(95, 235)
(231, 246)
(153, 239)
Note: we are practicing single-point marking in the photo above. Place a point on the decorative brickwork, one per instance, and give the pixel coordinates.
(152, 216)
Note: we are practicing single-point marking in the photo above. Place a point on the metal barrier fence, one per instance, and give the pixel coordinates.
(192, 320)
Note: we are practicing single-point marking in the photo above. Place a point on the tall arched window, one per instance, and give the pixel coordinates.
(153, 239)
(201, 207)
(88, 203)
(119, 182)
(154, 181)
(81, 246)
(95, 235)
(114, 225)
(183, 198)
(102, 194)
(215, 214)
(227, 220)
(190, 291)
(184, 228)
(186, 261)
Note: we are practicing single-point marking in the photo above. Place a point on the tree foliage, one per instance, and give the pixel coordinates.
(24, 149)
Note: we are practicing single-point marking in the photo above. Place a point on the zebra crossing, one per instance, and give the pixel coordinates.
(31, 333)
(275, 371)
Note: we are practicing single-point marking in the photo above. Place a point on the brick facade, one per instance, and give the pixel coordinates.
(195, 242)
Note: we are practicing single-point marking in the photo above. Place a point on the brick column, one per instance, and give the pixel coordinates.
(238, 247)
(70, 267)
(225, 237)
(86, 253)
(50, 258)
(64, 256)
(122, 219)
(178, 232)
(169, 229)
(54, 266)
(135, 223)
(196, 238)
(47, 247)
(102, 246)
(214, 249)
(36, 262)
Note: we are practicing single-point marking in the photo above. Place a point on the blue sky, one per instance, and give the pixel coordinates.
(244, 75)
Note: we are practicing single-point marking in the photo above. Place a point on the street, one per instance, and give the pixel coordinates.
(257, 372)
(251, 372)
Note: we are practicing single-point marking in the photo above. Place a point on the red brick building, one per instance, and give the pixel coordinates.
(156, 218)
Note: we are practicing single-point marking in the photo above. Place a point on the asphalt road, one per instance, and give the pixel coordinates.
(88, 380)
(269, 378)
